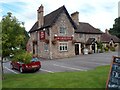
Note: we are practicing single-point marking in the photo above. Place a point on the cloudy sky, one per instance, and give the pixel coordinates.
(99, 13)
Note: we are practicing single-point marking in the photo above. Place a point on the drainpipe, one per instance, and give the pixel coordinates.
(119, 50)
(38, 44)
(50, 44)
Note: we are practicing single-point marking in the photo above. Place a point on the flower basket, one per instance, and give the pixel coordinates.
(54, 42)
(46, 41)
(73, 41)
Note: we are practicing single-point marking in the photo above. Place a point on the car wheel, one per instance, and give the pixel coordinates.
(11, 66)
(21, 70)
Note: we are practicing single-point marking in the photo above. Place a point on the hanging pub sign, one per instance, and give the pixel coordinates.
(65, 38)
(113, 82)
(42, 35)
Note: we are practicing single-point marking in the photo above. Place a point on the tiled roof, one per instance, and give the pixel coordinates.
(107, 38)
(87, 28)
(34, 28)
(90, 41)
(51, 18)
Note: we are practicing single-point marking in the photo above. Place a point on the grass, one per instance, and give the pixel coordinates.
(84, 79)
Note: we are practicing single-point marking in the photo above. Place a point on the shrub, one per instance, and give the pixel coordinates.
(106, 49)
(112, 48)
(99, 45)
(101, 51)
(23, 56)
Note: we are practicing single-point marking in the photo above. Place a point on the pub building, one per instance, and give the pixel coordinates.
(60, 35)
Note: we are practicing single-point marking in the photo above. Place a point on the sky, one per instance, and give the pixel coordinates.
(99, 13)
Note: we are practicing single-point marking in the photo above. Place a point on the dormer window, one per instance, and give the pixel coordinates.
(62, 31)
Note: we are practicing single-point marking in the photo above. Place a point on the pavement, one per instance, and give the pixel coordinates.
(76, 63)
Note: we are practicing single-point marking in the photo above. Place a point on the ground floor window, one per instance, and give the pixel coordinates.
(63, 46)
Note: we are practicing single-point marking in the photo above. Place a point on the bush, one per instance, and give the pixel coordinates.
(106, 49)
(99, 45)
(112, 48)
(23, 56)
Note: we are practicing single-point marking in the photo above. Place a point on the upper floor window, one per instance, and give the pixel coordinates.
(62, 31)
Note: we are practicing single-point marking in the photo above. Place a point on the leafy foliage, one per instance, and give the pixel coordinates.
(112, 48)
(116, 28)
(22, 56)
(106, 49)
(100, 46)
(14, 34)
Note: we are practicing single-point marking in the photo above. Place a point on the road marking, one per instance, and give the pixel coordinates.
(69, 67)
(47, 71)
(11, 70)
(92, 62)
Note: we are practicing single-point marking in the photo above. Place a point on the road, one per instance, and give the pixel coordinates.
(77, 63)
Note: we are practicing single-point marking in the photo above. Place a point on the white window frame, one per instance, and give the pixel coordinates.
(65, 31)
(62, 46)
(45, 47)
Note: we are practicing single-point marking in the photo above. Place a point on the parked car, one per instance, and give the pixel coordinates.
(34, 65)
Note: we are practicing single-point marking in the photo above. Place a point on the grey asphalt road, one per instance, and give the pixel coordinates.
(77, 63)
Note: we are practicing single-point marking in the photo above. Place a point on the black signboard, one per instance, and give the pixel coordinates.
(113, 82)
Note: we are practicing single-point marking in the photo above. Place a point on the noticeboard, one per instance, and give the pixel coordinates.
(113, 82)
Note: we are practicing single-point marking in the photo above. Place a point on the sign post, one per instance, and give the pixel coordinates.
(113, 82)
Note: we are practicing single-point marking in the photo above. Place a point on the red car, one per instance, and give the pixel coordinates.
(32, 66)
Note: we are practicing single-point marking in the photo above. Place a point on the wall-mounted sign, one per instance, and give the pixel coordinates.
(42, 35)
(65, 38)
(113, 82)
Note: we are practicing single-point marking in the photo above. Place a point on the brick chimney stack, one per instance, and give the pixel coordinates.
(75, 17)
(40, 16)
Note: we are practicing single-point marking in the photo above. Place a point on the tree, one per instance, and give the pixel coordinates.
(14, 35)
(116, 28)
(100, 46)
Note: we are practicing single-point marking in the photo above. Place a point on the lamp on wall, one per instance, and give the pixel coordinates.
(55, 35)
(72, 35)
(44, 29)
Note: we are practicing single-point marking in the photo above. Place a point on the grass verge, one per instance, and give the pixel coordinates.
(84, 79)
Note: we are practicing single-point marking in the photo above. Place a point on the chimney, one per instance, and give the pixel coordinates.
(75, 17)
(40, 16)
(106, 31)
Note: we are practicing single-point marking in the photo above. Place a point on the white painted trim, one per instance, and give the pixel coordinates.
(69, 67)
(79, 48)
(63, 50)
(46, 70)
(11, 70)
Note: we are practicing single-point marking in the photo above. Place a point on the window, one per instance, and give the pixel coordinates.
(63, 46)
(45, 47)
(62, 31)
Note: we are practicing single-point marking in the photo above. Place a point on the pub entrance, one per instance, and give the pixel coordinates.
(93, 48)
(76, 49)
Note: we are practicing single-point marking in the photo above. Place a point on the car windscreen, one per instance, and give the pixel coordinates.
(34, 59)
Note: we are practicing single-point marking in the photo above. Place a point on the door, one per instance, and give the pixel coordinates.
(93, 47)
(76, 49)
(33, 48)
